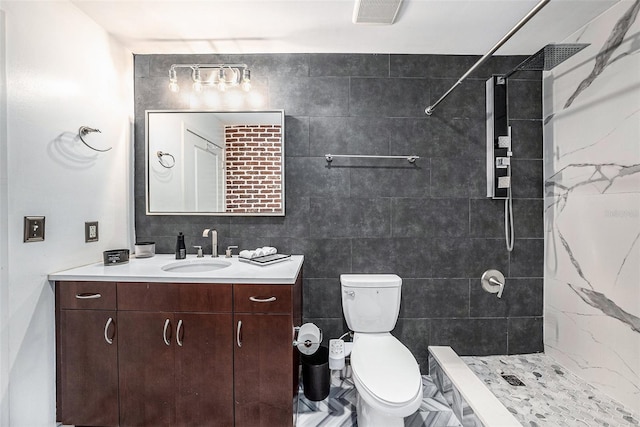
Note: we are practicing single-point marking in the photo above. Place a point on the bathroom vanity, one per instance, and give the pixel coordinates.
(140, 346)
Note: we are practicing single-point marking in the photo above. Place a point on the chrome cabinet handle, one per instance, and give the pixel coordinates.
(178, 333)
(164, 332)
(238, 340)
(106, 329)
(256, 299)
(88, 296)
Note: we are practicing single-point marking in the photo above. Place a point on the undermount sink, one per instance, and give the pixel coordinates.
(195, 266)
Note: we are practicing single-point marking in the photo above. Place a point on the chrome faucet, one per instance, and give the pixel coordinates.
(214, 240)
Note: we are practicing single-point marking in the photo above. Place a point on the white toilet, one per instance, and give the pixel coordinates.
(385, 373)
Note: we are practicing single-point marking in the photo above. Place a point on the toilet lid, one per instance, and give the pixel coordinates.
(386, 368)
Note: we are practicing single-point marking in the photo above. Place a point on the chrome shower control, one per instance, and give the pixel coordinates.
(493, 282)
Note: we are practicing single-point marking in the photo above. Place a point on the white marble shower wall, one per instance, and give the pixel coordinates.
(592, 206)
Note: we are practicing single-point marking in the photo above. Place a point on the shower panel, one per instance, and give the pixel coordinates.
(499, 149)
(498, 139)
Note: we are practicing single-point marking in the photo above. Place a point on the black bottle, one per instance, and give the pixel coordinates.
(181, 250)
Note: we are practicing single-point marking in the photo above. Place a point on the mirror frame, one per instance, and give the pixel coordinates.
(147, 169)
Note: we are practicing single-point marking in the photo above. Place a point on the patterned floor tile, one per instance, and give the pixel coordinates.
(551, 396)
(339, 408)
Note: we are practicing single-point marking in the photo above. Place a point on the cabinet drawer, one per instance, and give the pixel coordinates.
(87, 295)
(262, 298)
(193, 297)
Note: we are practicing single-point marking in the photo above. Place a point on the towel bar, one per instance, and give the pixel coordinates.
(411, 159)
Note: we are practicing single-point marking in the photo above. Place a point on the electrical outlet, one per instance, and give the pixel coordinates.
(33, 228)
(91, 231)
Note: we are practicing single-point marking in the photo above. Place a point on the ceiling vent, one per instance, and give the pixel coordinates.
(375, 11)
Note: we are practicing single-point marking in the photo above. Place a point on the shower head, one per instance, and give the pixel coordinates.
(548, 57)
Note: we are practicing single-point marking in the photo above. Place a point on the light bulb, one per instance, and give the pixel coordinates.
(173, 80)
(246, 80)
(197, 82)
(222, 83)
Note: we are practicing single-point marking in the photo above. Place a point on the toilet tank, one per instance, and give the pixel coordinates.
(370, 302)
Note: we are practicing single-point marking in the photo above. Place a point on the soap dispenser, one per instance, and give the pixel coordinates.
(181, 250)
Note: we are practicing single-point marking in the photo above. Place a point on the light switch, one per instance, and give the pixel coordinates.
(33, 228)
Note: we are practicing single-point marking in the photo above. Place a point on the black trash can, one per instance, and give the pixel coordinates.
(316, 376)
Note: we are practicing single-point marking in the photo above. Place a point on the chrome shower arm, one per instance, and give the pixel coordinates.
(429, 110)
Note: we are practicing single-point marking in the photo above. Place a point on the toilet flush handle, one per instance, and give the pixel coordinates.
(352, 294)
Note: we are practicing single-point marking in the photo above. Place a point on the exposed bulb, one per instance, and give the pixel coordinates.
(173, 80)
(246, 80)
(197, 81)
(222, 83)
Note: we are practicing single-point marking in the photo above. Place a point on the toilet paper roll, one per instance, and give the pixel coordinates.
(309, 338)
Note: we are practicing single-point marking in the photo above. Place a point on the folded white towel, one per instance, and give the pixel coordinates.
(265, 250)
(247, 254)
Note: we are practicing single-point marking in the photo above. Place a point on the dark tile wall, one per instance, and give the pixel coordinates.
(430, 222)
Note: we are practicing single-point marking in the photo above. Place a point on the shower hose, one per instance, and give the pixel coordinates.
(508, 216)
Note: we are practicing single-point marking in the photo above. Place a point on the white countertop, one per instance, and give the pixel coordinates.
(150, 270)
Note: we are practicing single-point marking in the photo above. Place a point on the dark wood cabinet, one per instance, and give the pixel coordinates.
(217, 355)
(204, 370)
(87, 356)
(145, 370)
(266, 363)
(263, 395)
(178, 375)
(176, 354)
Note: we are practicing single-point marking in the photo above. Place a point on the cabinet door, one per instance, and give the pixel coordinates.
(204, 369)
(146, 357)
(88, 363)
(262, 368)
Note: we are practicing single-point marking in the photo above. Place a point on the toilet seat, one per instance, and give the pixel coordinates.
(386, 371)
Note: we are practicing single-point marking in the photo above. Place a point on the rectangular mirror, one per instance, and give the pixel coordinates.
(215, 162)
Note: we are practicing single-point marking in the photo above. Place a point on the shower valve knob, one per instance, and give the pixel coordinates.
(493, 282)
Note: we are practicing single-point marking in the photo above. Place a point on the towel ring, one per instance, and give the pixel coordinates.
(84, 130)
(160, 154)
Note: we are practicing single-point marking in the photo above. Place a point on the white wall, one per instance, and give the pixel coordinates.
(62, 72)
(592, 200)
(4, 290)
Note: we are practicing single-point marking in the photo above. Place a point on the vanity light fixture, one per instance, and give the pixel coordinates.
(222, 76)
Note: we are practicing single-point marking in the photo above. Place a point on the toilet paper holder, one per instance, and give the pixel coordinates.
(306, 343)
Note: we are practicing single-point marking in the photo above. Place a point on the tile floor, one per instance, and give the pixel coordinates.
(551, 397)
(339, 409)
